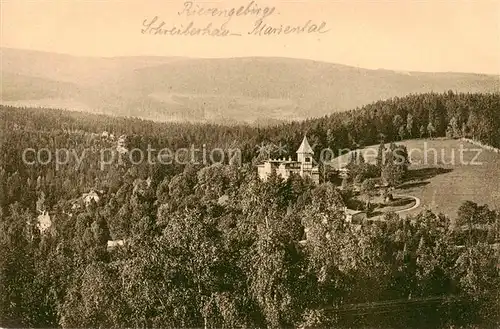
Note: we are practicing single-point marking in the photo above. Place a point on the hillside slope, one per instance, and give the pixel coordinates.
(212, 90)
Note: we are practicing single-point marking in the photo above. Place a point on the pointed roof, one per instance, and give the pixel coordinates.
(305, 147)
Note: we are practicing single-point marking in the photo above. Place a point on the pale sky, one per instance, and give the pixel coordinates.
(409, 35)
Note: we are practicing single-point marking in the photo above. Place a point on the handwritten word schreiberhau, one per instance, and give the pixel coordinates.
(219, 22)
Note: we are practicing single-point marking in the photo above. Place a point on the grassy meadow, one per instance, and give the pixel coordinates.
(442, 178)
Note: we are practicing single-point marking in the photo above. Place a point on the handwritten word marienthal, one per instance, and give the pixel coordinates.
(262, 28)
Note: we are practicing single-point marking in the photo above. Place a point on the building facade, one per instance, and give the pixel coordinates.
(303, 166)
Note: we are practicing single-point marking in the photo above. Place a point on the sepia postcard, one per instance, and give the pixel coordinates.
(250, 164)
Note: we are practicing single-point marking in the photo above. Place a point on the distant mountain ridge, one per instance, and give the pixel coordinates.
(232, 90)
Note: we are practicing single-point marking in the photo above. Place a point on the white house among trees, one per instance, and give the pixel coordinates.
(304, 165)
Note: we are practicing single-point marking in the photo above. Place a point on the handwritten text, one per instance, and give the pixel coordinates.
(219, 21)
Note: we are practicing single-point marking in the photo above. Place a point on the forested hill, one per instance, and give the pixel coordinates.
(468, 115)
(214, 246)
(227, 91)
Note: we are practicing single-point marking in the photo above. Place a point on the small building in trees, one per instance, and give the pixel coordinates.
(112, 244)
(43, 221)
(121, 145)
(343, 172)
(354, 216)
(89, 197)
(303, 166)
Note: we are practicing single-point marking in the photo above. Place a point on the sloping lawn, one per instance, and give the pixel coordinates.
(444, 184)
(442, 179)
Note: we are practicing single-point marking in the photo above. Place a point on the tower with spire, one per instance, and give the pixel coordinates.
(305, 154)
(304, 165)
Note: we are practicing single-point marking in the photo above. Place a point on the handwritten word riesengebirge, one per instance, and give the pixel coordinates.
(251, 9)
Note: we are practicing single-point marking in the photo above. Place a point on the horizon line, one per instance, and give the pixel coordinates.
(401, 71)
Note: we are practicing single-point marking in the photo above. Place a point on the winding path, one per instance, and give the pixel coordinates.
(415, 206)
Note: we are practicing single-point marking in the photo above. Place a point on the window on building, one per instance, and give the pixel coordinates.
(308, 159)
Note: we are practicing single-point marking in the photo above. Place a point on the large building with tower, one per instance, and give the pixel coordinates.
(303, 166)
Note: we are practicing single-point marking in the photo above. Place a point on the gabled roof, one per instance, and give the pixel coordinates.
(305, 147)
(353, 212)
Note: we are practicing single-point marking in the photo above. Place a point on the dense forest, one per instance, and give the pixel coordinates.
(211, 245)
